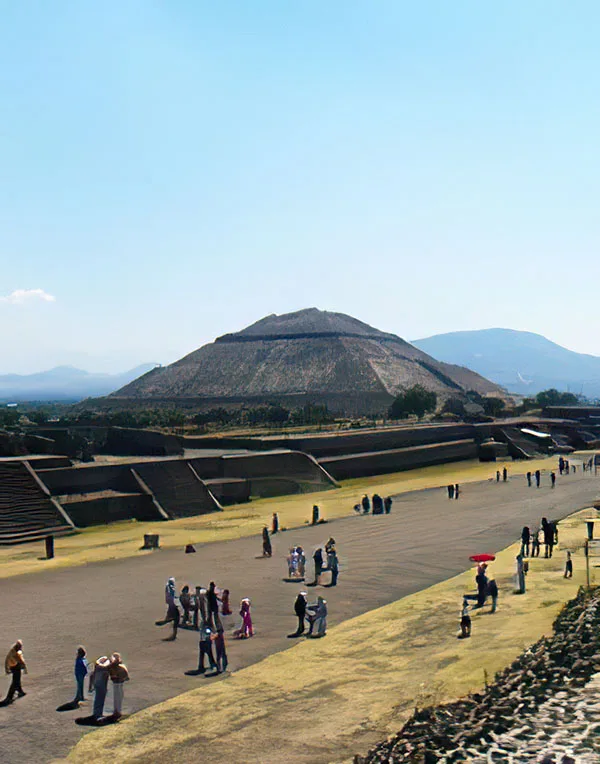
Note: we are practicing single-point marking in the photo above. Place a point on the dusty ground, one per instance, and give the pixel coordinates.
(112, 606)
(121, 540)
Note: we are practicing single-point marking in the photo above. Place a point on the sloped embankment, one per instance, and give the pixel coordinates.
(539, 706)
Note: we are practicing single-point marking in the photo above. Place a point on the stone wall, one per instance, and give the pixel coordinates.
(110, 509)
(398, 460)
(535, 710)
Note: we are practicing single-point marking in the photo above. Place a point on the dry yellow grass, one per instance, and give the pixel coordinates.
(124, 539)
(325, 700)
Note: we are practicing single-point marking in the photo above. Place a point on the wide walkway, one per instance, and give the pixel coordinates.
(113, 606)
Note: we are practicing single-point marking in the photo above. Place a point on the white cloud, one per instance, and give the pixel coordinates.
(23, 296)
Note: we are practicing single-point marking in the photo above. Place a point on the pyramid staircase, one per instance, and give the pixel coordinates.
(27, 511)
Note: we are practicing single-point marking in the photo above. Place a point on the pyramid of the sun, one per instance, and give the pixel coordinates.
(307, 356)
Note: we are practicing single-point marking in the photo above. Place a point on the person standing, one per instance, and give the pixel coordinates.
(212, 602)
(535, 542)
(465, 620)
(493, 592)
(196, 607)
(266, 545)
(553, 479)
(318, 560)
(15, 665)
(225, 608)
(274, 524)
(173, 614)
(366, 504)
(387, 504)
(119, 675)
(451, 491)
(538, 477)
(99, 685)
(300, 610)
(220, 653)
(497, 476)
(321, 617)
(205, 650)
(529, 479)
(525, 537)
(481, 581)
(333, 565)
(247, 627)
(456, 491)
(548, 531)
(505, 474)
(185, 600)
(81, 671)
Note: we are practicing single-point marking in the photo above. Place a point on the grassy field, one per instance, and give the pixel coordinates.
(326, 700)
(125, 539)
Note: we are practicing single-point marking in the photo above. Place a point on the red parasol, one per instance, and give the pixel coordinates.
(482, 558)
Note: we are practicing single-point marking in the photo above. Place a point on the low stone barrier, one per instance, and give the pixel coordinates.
(515, 715)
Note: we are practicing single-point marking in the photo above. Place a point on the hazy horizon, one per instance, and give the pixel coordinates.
(173, 172)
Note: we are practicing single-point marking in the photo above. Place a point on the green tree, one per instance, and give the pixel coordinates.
(493, 406)
(553, 397)
(417, 401)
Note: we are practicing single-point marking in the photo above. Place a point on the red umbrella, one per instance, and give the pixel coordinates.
(482, 558)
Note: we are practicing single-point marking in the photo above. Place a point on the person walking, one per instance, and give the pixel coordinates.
(267, 550)
(525, 538)
(451, 491)
(14, 664)
(81, 671)
(553, 479)
(538, 478)
(225, 607)
(569, 566)
(173, 614)
(529, 479)
(205, 651)
(300, 610)
(318, 560)
(119, 675)
(465, 620)
(99, 685)
(274, 524)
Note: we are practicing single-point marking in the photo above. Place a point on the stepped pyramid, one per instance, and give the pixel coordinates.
(310, 355)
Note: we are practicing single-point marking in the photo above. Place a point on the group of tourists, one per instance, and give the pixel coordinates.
(104, 670)
(315, 614)
(532, 538)
(375, 506)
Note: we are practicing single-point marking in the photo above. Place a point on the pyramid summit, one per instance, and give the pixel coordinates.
(311, 356)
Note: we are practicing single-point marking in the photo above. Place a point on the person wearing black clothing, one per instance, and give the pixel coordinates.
(456, 490)
(553, 478)
(213, 602)
(275, 523)
(387, 504)
(493, 593)
(505, 474)
(548, 531)
(497, 476)
(366, 504)
(525, 537)
(332, 561)
(451, 491)
(377, 504)
(529, 479)
(482, 582)
(300, 610)
(538, 477)
(318, 560)
(561, 465)
(267, 549)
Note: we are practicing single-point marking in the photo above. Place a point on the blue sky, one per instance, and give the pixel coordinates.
(175, 170)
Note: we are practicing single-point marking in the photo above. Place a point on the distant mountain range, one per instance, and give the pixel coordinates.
(64, 383)
(522, 362)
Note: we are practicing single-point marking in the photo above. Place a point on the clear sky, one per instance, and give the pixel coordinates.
(171, 171)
